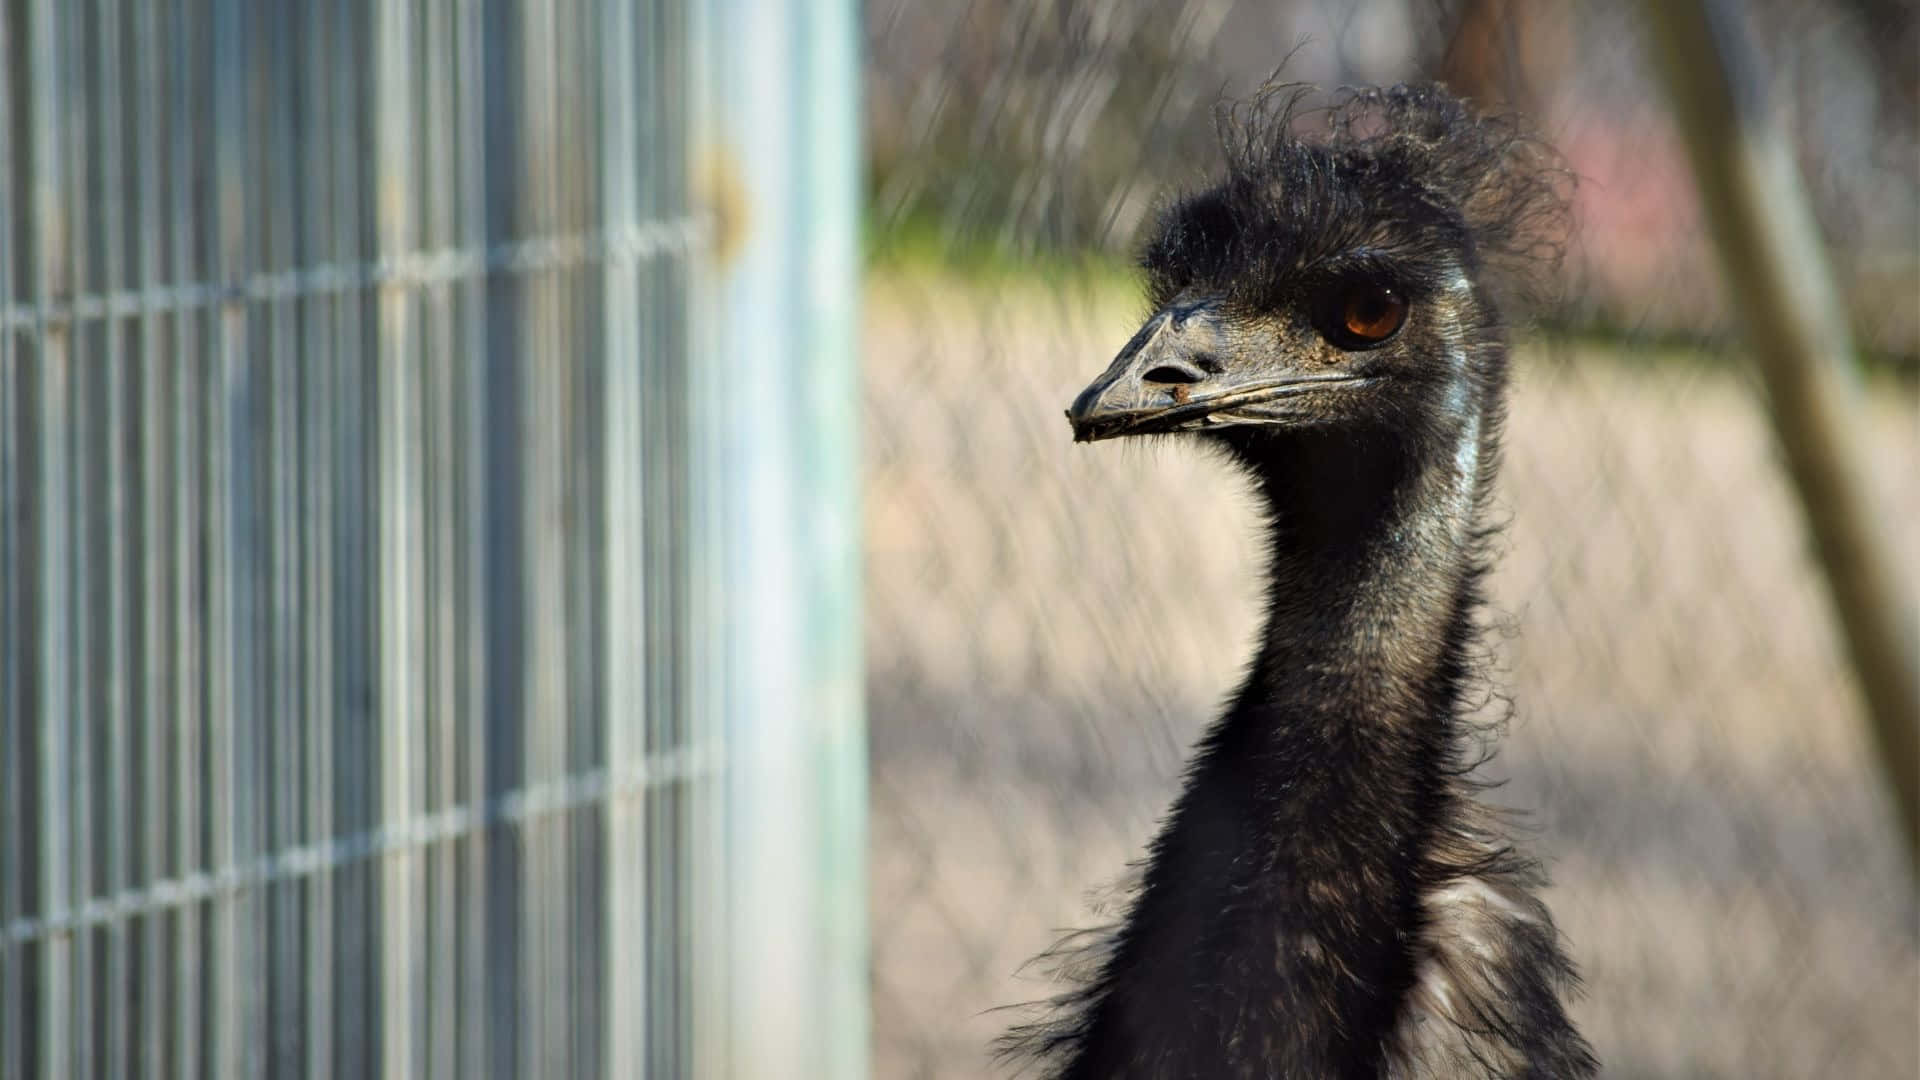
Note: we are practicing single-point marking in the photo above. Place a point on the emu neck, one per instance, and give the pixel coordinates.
(1372, 544)
(1341, 741)
(1283, 896)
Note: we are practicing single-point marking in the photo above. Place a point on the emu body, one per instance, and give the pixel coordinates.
(1327, 898)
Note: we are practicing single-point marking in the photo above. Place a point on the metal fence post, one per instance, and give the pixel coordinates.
(775, 412)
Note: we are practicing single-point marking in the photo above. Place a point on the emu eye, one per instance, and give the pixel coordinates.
(1366, 315)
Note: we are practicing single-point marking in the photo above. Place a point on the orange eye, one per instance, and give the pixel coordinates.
(1369, 315)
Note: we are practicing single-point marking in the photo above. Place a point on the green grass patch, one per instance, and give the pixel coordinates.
(924, 248)
(930, 255)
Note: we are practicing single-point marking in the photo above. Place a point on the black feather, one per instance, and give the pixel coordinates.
(1327, 896)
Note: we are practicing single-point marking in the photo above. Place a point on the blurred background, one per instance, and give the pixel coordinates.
(1049, 625)
(495, 580)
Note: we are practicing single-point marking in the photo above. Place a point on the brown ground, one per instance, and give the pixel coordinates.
(1050, 624)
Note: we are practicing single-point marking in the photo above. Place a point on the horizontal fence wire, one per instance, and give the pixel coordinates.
(596, 786)
(420, 269)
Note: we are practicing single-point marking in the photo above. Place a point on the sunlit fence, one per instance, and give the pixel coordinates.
(1049, 626)
(374, 693)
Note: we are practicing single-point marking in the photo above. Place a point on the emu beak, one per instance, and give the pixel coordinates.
(1184, 371)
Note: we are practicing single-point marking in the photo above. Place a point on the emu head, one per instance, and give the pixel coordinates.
(1350, 280)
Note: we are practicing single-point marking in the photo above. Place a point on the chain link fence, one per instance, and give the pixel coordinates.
(1050, 626)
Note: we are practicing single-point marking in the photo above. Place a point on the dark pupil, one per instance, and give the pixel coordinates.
(1368, 308)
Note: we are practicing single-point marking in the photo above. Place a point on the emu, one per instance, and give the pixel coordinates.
(1328, 897)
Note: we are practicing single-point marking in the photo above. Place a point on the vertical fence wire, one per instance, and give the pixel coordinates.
(14, 639)
(348, 649)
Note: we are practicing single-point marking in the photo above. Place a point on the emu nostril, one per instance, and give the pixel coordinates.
(1167, 373)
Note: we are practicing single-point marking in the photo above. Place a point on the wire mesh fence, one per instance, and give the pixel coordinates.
(1049, 626)
(344, 450)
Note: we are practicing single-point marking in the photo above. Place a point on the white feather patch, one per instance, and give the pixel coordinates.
(1461, 979)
